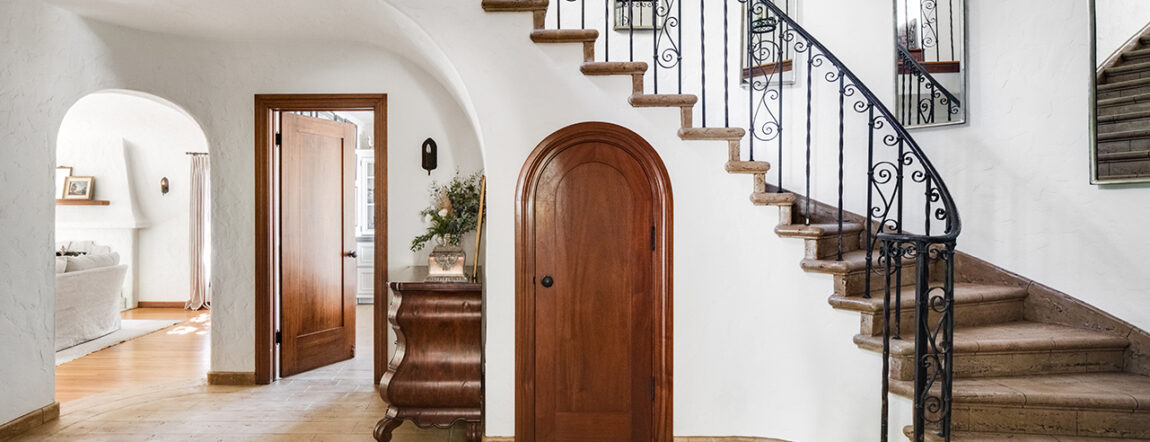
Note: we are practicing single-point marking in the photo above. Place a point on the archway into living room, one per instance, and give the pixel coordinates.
(132, 229)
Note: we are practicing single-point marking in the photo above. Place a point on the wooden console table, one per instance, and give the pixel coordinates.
(435, 378)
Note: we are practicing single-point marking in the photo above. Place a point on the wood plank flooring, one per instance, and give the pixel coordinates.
(335, 403)
(176, 353)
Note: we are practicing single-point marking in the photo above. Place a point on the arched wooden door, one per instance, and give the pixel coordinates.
(593, 290)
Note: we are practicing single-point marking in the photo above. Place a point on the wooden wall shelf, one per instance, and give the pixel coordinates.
(82, 202)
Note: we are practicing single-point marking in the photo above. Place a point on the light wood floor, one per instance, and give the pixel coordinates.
(176, 353)
(335, 403)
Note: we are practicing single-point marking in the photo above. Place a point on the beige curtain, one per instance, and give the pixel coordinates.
(199, 232)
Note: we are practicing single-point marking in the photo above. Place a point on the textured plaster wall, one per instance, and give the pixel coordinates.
(44, 50)
(1118, 21)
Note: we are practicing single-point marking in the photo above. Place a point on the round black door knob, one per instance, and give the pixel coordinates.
(547, 281)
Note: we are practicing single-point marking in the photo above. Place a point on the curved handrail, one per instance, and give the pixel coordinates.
(954, 222)
(906, 55)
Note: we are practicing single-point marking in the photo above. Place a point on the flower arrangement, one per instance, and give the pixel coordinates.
(454, 211)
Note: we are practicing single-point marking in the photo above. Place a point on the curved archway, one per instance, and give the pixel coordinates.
(132, 149)
(593, 296)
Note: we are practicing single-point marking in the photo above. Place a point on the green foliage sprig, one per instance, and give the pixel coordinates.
(454, 210)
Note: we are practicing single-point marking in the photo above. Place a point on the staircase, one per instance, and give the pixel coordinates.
(1029, 363)
(1124, 113)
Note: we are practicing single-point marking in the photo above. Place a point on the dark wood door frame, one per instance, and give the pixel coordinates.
(646, 156)
(265, 107)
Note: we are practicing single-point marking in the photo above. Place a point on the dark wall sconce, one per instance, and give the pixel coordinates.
(164, 186)
(430, 155)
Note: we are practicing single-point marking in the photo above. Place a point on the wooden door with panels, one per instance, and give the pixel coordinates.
(316, 242)
(593, 293)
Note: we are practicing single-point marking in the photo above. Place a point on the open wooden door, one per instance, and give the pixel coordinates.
(317, 233)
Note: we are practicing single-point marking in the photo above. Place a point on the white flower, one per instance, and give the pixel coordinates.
(442, 212)
(427, 219)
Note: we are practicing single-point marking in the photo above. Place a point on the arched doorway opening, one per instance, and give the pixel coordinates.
(132, 229)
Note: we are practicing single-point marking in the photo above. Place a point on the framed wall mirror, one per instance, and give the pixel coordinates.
(1120, 64)
(769, 55)
(930, 70)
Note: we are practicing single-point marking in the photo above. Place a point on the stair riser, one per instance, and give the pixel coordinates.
(1124, 108)
(828, 247)
(1133, 75)
(1106, 147)
(972, 365)
(1124, 125)
(1124, 92)
(854, 283)
(1136, 57)
(965, 315)
(1053, 421)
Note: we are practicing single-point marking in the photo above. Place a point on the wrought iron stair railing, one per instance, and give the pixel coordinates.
(785, 65)
(920, 94)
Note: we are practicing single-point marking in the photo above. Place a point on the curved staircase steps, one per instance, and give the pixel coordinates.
(1013, 349)
(974, 305)
(1064, 383)
(1110, 405)
(966, 436)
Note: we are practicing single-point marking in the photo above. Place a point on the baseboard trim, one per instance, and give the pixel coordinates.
(159, 304)
(231, 378)
(677, 439)
(29, 421)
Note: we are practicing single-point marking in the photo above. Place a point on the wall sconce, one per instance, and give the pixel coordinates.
(164, 186)
(430, 155)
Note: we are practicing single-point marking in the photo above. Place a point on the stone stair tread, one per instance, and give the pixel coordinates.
(1126, 116)
(1135, 98)
(514, 5)
(964, 436)
(747, 166)
(613, 68)
(564, 35)
(816, 230)
(964, 293)
(1124, 135)
(1095, 391)
(853, 261)
(1104, 86)
(1137, 53)
(1009, 337)
(1129, 67)
(772, 198)
(1124, 156)
(663, 100)
(712, 133)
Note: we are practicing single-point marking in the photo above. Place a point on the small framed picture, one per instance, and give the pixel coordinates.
(62, 174)
(78, 187)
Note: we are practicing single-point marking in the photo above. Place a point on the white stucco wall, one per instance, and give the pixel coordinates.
(1118, 21)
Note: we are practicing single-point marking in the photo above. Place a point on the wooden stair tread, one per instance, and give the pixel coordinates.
(1009, 337)
(1124, 135)
(663, 100)
(613, 68)
(1111, 391)
(964, 293)
(1129, 99)
(772, 198)
(564, 35)
(712, 133)
(747, 166)
(1103, 87)
(514, 5)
